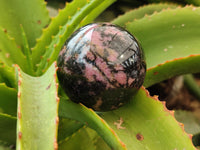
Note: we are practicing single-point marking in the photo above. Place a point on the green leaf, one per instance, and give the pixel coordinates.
(32, 14)
(61, 28)
(192, 85)
(100, 144)
(172, 68)
(68, 109)
(10, 53)
(96, 12)
(37, 118)
(71, 130)
(7, 75)
(145, 123)
(140, 13)
(169, 39)
(27, 52)
(194, 2)
(2, 147)
(190, 121)
(8, 101)
(67, 127)
(7, 128)
(81, 140)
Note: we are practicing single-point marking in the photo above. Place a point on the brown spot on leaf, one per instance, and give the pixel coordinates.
(155, 73)
(39, 22)
(48, 87)
(139, 137)
(48, 60)
(5, 30)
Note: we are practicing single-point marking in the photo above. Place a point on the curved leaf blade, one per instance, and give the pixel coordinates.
(7, 75)
(78, 140)
(67, 127)
(8, 100)
(68, 109)
(71, 22)
(140, 13)
(174, 67)
(37, 111)
(145, 123)
(7, 128)
(166, 37)
(21, 12)
(10, 53)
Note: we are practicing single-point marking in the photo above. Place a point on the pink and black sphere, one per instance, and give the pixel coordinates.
(101, 66)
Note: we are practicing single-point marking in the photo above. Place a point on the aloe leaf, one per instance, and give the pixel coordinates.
(195, 140)
(71, 20)
(37, 118)
(32, 14)
(68, 109)
(190, 121)
(7, 75)
(171, 46)
(8, 100)
(194, 2)
(7, 128)
(70, 136)
(27, 52)
(174, 67)
(100, 144)
(140, 13)
(10, 53)
(145, 123)
(96, 12)
(2, 147)
(192, 85)
(148, 125)
(67, 127)
(78, 140)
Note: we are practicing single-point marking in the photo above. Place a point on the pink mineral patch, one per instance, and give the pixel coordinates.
(130, 81)
(102, 42)
(90, 56)
(91, 72)
(112, 56)
(118, 67)
(104, 68)
(121, 78)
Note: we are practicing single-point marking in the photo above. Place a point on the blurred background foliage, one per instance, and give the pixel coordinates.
(122, 6)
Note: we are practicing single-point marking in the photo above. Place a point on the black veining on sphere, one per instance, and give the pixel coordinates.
(101, 66)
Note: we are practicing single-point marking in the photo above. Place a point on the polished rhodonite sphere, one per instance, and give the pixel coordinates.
(101, 66)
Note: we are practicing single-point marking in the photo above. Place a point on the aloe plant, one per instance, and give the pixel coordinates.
(30, 94)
